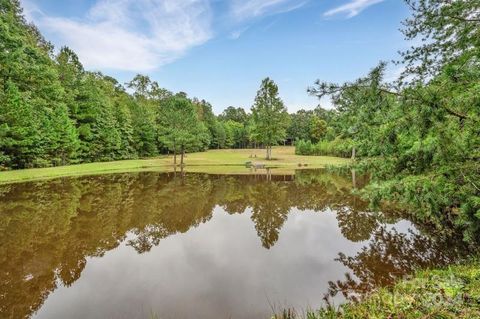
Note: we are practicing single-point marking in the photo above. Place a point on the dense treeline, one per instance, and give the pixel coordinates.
(54, 112)
(420, 136)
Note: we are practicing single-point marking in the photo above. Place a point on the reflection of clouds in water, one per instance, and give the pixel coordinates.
(217, 268)
(208, 245)
(404, 227)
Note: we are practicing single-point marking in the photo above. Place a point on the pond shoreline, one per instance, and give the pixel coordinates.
(450, 292)
(410, 297)
(231, 161)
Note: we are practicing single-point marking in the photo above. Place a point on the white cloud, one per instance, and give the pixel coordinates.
(134, 35)
(352, 8)
(238, 33)
(246, 9)
(30, 10)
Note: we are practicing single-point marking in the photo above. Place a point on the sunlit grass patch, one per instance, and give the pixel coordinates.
(212, 161)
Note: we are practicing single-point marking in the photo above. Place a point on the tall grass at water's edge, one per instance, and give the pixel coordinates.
(453, 292)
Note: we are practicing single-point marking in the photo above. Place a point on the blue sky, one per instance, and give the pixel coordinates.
(220, 50)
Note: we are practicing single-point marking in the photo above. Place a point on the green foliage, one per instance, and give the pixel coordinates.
(20, 129)
(219, 135)
(318, 128)
(144, 130)
(64, 142)
(70, 72)
(447, 293)
(421, 141)
(420, 144)
(53, 112)
(234, 114)
(180, 129)
(209, 122)
(269, 115)
(99, 137)
(77, 116)
(447, 30)
(236, 134)
(337, 147)
(300, 125)
(232, 129)
(419, 138)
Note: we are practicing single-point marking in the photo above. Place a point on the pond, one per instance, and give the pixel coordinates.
(158, 245)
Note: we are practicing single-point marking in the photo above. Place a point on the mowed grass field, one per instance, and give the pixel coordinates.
(213, 161)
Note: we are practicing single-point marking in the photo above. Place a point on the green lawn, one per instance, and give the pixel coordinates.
(213, 161)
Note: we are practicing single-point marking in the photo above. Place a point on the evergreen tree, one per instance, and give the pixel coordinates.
(21, 139)
(180, 129)
(70, 72)
(123, 105)
(148, 98)
(209, 120)
(97, 127)
(64, 142)
(447, 30)
(219, 136)
(145, 132)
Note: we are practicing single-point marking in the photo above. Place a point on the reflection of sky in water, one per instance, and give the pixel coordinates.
(202, 246)
(216, 270)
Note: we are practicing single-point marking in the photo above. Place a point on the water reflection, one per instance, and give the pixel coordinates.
(52, 232)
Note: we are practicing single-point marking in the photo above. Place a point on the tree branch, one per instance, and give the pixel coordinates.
(463, 19)
(322, 93)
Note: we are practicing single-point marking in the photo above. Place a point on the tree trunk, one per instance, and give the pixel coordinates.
(353, 153)
(174, 154)
(182, 156)
(354, 179)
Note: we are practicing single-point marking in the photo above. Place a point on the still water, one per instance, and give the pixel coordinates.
(152, 245)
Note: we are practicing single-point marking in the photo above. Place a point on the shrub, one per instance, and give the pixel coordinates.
(337, 147)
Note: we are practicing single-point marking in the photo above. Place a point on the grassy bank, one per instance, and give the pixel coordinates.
(213, 161)
(448, 293)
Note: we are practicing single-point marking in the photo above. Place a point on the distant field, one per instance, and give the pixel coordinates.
(212, 161)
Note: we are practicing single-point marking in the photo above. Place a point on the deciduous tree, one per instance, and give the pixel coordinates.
(269, 115)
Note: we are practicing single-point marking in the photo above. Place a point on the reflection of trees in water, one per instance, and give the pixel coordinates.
(355, 225)
(48, 229)
(270, 206)
(174, 207)
(389, 255)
